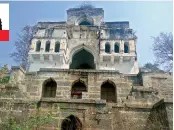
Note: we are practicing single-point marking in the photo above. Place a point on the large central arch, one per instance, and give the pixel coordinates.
(82, 60)
(82, 57)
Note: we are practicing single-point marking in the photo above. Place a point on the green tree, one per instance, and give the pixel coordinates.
(153, 67)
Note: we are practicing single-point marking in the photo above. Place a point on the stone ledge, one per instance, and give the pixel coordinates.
(75, 70)
(144, 89)
(18, 68)
(80, 101)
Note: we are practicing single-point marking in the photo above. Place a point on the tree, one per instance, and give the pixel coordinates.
(22, 45)
(163, 50)
(153, 67)
(4, 77)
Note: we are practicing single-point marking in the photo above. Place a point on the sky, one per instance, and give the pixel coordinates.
(146, 18)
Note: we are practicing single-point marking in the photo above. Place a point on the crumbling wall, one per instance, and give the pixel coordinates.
(163, 82)
(158, 118)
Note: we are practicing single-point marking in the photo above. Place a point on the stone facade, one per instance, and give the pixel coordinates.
(102, 97)
(139, 101)
(109, 45)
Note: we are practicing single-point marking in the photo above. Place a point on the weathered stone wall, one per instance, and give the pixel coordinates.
(135, 108)
(163, 82)
(159, 117)
(93, 115)
(33, 83)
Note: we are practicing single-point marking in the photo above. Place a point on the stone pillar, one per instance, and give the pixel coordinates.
(101, 58)
(121, 46)
(61, 58)
(112, 59)
(41, 58)
(17, 74)
(132, 60)
(51, 58)
(121, 60)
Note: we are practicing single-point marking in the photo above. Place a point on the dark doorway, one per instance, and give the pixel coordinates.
(85, 23)
(49, 88)
(82, 60)
(71, 123)
(77, 89)
(108, 92)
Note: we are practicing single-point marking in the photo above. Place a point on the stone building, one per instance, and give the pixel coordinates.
(90, 68)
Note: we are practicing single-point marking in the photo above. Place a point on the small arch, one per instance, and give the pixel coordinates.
(84, 23)
(38, 45)
(49, 88)
(47, 46)
(84, 20)
(126, 47)
(71, 123)
(57, 47)
(116, 48)
(77, 88)
(107, 47)
(108, 91)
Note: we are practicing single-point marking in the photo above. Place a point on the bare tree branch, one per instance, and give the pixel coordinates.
(22, 45)
(163, 50)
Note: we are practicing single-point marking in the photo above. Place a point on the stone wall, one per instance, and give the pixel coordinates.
(139, 99)
(33, 83)
(93, 115)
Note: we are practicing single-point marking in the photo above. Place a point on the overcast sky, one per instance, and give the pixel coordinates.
(146, 18)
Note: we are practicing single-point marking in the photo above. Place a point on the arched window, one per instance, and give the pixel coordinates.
(116, 48)
(108, 91)
(38, 45)
(49, 88)
(47, 46)
(126, 47)
(77, 89)
(107, 48)
(57, 47)
(85, 23)
(71, 123)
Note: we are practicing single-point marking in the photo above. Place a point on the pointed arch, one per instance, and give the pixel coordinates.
(71, 123)
(49, 88)
(116, 47)
(38, 45)
(84, 20)
(47, 46)
(57, 47)
(107, 47)
(77, 88)
(108, 91)
(89, 50)
(126, 47)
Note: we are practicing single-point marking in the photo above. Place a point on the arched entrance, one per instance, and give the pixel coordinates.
(49, 88)
(71, 123)
(77, 89)
(82, 60)
(108, 91)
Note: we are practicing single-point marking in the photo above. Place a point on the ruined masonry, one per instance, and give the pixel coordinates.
(89, 67)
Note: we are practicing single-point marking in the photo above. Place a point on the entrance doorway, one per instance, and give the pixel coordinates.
(71, 123)
(82, 60)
